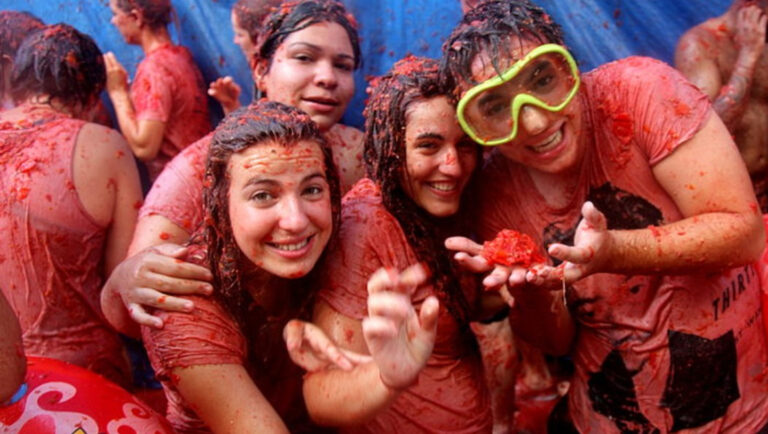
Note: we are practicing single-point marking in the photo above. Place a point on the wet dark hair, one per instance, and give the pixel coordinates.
(251, 13)
(14, 27)
(157, 13)
(60, 62)
(295, 16)
(493, 26)
(410, 79)
(261, 122)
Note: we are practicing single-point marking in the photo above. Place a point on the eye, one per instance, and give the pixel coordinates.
(493, 107)
(314, 191)
(303, 57)
(543, 78)
(262, 196)
(345, 66)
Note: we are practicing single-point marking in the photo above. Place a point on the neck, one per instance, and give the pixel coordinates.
(46, 102)
(152, 39)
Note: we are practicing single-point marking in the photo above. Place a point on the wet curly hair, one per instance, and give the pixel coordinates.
(60, 62)
(410, 79)
(494, 26)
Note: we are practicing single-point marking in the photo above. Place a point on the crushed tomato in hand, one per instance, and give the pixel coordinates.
(512, 248)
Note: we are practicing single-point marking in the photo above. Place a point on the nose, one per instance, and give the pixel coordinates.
(325, 75)
(293, 218)
(533, 119)
(449, 165)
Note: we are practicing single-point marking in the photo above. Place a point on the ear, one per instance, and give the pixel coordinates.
(138, 16)
(260, 71)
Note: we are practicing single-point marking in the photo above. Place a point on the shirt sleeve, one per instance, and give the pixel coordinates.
(177, 194)
(206, 336)
(152, 92)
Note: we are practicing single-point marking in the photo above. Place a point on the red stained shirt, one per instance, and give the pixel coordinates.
(168, 87)
(51, 251)
(653, 352)
(451, 395)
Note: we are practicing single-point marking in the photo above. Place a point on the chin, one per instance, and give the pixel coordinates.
(289, 271)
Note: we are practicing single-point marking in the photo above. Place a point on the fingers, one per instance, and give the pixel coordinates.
(475, 264)
(429, 314)
(141, 316)
(389, 304)
(497, 277)
(594, 218)
(153, 298)
(356, 358)
(463, 244)
(578, 255)
(405, 282)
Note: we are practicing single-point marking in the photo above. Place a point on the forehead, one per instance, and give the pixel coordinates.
(482, 67)
(325, 34)
(274, 159)
(432, 116)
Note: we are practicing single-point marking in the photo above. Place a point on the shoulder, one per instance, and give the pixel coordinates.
(703, 36)
(102, 143)
(363, 214)
(636, 75)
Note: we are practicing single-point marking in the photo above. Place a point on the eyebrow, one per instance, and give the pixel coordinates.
(488, 97)
(272, 182)
(318, 48)
(430, 135)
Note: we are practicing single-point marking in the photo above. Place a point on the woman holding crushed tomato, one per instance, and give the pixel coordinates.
(626, 177)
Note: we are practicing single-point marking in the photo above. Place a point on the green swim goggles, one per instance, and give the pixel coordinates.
(547, 77)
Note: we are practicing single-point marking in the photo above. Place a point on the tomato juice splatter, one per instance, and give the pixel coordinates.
(512, 248)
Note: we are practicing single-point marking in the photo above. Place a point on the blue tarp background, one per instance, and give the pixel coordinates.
(597, 31)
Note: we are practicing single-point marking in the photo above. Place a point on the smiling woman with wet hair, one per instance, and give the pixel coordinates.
(271, 203)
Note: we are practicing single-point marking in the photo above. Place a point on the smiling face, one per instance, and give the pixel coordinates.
(546, 141)
(242, 38)
(439, 157)
(313, 70)
(280, 206)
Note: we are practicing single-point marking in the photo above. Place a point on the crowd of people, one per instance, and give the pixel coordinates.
(504, 222)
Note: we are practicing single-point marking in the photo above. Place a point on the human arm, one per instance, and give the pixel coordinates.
(143, 136)
(695, 60)
(226, 399)
(13, 363)
(399, 341)
(721, 228)
(226, 92)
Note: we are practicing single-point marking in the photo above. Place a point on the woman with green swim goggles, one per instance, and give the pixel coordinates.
(547, 77)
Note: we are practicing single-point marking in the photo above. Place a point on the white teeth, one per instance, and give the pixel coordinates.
(549, 143)
(443, 186)
(291, 247)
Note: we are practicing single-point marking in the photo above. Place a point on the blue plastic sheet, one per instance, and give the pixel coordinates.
(597, 31)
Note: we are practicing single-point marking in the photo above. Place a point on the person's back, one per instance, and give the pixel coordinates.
(169, 87)
(70, 199)
(726, 58)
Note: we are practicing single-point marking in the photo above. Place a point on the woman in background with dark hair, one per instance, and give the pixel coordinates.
(165, 109)
(67, 210)
(271, 202)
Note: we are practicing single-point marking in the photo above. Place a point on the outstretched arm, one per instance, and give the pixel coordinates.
(399, 340)
(722, 227)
